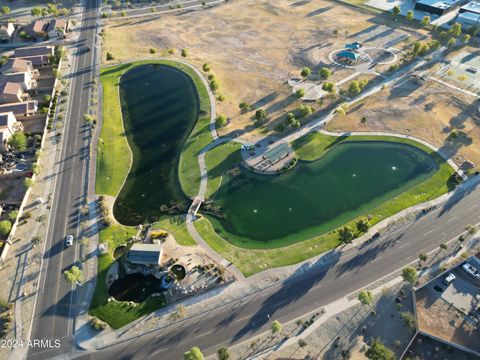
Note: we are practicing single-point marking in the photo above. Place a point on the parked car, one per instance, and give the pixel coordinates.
(69, 241)
(449, 279)
(470, 269)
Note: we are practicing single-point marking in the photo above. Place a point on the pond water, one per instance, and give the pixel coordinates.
(134, 287)
(160, 107)
(315, 197)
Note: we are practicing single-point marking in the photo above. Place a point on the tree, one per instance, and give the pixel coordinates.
(184, 53)
(261, 115)
(12, 215)
(276, 326)
(363, 120)
(365, 297)
(18, 141)
(74, 275)
(206, 67)
(214, 85)
(409, 15)
(223, 353)
(396, 10)
(193, 354)
(51, 9)
(378, 351)
(455, 30)
(426, 20)
(444, 246)
(423, 257)
(245, 107)
(123, 13)
(5, 10)
(110, 56)
(306, 72)
(303, 111)
(299, 93)
(5, 227)
(221, 121)
(324, 73)
(346, 234)
(36, 11)
(363, 225)
(302, 343)
(335, 32)
(328, 87)
(89, 119)
(451, 42)
(152, 51)
(28, 183)
(409, 274)
(354, 88)
(466, 38)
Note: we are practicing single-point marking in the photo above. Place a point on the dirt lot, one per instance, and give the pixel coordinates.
(253, 47)
(432, 112)
(11, 189)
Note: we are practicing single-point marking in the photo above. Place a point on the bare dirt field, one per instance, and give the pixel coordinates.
(432, 112)
(11, 189)
(254, 47)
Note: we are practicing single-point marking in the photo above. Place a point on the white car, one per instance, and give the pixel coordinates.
(449, 279)
(469, 269)
(69, 240)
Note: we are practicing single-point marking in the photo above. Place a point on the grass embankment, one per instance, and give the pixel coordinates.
(176, 226)
(312, 147)
(218, 160)
(114, 157)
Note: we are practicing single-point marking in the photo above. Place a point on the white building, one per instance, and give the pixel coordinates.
(7, 129)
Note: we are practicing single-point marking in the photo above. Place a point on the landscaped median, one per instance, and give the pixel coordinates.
(310, 148)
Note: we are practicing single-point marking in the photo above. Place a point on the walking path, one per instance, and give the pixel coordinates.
(466, 92)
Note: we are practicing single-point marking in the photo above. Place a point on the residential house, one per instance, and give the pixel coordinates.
(37, 29)
(38, 55)
(11, 92)
(23, 108)
(22, 78)
(57, 28)
(145, 254)
(8, 126)
(6, 31)
(437, 7)
(18, 66)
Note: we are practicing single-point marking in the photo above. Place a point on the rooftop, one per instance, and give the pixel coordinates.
(6, 119)
(33, 51)
(439, 4)
(16, 65)
(147, 254)
(473, 7)
(56, 24)
(7, 87)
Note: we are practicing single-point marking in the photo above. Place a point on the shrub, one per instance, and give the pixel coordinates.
(305, 72)
(221, 121)
(110, 56)
(245, 107)
(206, 67)
(324, 73)
(261, 115)
(5, 227)
(221, 97)
(152, 51)
(184, 53)
(299, 93)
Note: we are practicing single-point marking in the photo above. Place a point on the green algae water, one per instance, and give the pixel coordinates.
(160, 106)
(262, 211)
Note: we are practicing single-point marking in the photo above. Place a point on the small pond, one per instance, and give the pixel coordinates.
(315, 197)
(134, 287)
(160, 106)
(179, 271)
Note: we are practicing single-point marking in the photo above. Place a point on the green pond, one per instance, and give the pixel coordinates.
(160, 106)
(261, 211)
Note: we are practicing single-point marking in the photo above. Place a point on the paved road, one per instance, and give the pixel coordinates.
(345, 273)
(54, 313)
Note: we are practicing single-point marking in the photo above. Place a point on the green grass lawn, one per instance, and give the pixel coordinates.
(176, 226)
(218, 160)
(114, 158)
(312, 147)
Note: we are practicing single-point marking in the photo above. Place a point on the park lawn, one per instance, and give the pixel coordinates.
(177, 227)
(312, 147)
(218, 160)
(120, 313)
(114, 156)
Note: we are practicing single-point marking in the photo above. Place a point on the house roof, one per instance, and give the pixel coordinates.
(16, 65)
(33, 51)
(439, 4)
(473, 7)
(56, 24)
(36, 27)
(19, 77)
(7, 27)
(20, 108)
(11, 88)
(145, 254)
(6, 119)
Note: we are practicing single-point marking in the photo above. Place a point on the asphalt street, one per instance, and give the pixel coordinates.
(345, 273)
(54, 313)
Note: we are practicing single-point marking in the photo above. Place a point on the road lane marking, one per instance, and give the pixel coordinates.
(428, 232)
(451, 219)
